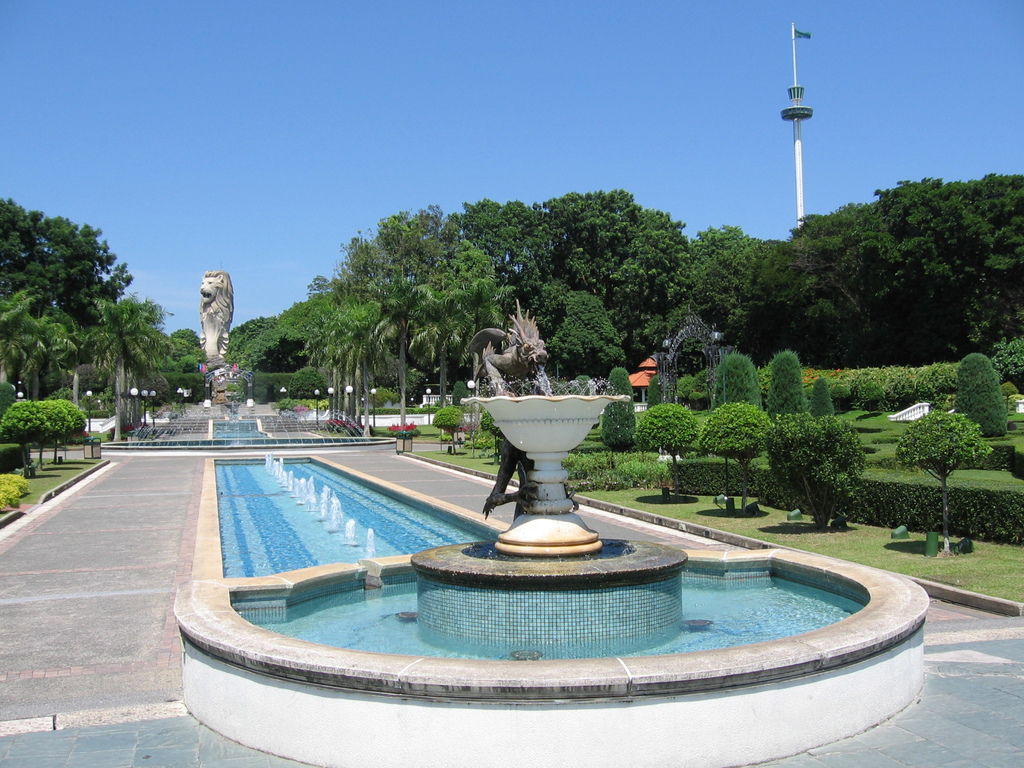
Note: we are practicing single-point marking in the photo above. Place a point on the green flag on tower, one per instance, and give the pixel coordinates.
(802, 34)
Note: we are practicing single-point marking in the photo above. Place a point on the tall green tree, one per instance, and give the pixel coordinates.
(128, 342)
(978, 396)
(59, 265)
(941, 443)
(586, 342)
(786, 391)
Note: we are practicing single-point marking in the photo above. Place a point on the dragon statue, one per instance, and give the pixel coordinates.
(522, 357)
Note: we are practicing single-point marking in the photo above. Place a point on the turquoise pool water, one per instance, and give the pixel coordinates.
(717, 613)
(264, 530)
(236, 429)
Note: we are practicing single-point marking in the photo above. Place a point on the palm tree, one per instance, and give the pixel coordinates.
(398, 300)
(15, 333)
(362, 322)
(128, 342)
(444, 325)
(50, 345)
(483, 300)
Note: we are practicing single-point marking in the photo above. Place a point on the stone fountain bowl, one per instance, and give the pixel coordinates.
(544, 423)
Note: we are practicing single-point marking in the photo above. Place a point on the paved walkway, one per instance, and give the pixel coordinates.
(88, 643)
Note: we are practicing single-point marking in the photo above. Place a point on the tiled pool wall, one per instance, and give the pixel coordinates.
(490, 619)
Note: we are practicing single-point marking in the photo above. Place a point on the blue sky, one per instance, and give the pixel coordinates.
(257, 137)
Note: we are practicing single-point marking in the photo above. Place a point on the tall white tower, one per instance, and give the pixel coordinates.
(796, 113)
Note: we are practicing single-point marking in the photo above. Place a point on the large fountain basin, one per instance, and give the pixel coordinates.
(339, 707)
(543, 423)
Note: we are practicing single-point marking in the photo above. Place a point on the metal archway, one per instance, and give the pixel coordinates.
(711, 345)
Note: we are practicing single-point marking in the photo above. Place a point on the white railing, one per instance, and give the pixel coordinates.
(913, 413)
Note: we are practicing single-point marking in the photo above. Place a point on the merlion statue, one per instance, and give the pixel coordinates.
(216, 308)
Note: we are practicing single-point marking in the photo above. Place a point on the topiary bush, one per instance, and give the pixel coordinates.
(448, 418)
(12, 488)
(654, 391)
(667, 427)
(821, 398)
(736, 381)
(978, 396)
(736, 431)
(786, 390)
(619, 420)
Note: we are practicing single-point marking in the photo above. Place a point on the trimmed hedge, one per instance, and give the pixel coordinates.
(10, 457)
(982, 513)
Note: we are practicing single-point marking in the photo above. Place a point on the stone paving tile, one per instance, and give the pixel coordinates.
(166, 757)
(922, 753)
(866, 759)
(114, 758)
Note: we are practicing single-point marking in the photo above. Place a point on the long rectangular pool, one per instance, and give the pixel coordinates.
(264, 530)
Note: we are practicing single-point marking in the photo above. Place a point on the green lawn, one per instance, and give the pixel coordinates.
(992, 569)
(49, 476)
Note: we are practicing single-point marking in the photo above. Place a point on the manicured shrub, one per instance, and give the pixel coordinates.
(786, 390)
(24, 423)
(448, 418)
(821, 398)
(868, 394)
(619, 420)
(12, 488)
(818, 461)
(64, 419)
(736, 381)
(978, 396)
(609, 471)
(840, 391)
(935, 382)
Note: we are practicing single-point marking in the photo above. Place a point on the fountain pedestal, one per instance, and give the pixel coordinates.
(546, 428)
